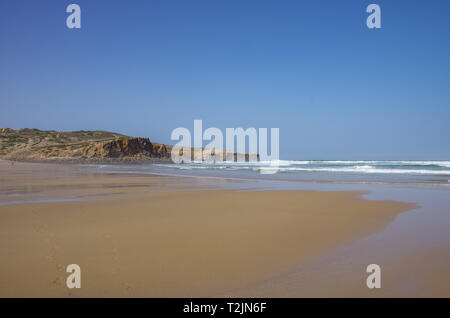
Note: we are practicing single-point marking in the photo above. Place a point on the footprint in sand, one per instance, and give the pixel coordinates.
(57, 281)
(61, 268)
(115, 254)
(128, 288)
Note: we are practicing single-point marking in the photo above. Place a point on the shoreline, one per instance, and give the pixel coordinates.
(146, 162)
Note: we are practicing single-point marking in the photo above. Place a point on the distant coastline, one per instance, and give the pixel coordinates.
(92, 146)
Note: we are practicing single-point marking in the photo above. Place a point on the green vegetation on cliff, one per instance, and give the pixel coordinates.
(35, 144)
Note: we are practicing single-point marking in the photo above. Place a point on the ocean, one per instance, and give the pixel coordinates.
(357, 171)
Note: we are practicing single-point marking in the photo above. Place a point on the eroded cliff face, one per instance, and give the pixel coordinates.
(125, 147)
(34, 144)
(85, 146)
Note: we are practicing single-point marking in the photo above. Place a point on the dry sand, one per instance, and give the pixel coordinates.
(152, 236)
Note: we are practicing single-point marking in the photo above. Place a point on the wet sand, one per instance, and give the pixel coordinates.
(413, 253)
(341, 273)
(153, 236)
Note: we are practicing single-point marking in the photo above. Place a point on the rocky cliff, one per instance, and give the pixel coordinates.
(84, 146)
(34, 144)
(125, 147)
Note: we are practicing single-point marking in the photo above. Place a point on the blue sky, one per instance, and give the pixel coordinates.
(336, 89)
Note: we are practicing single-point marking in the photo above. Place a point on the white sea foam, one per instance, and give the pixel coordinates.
(367, 169)
(341, 166)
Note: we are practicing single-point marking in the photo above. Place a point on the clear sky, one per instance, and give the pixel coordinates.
(336, 89)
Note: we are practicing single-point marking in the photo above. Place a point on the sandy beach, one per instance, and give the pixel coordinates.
(155, 236)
